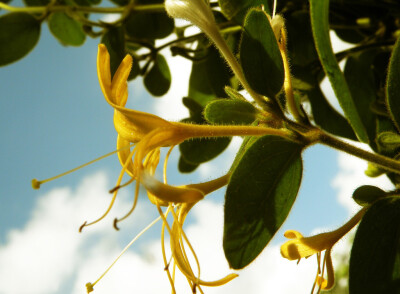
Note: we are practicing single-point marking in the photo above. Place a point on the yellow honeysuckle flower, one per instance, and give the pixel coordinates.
(298, 247)
(132, 125)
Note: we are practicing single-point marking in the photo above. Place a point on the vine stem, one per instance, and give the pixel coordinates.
(57, 8)
(377, 159)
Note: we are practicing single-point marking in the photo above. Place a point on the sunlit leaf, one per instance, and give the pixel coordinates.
(228, 111)
(67, 30)
(319, 12)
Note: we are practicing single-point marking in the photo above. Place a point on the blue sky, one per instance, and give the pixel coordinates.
(53, 118)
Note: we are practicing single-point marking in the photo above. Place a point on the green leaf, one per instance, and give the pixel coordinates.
(327, 117)
(67, 30)
(259, 196)
(115, 42)
(158, 79)
(149, 25)
(359, 77)
(228, 112)
(375, 256)
(388, 142)
(319, 11)
(237, 9)
(260, 56)
(234, 94)
(199, 150)
(393, 85)
(209, 77)
(185, 166)
(19, 33)
(367, 194)
(300, 46)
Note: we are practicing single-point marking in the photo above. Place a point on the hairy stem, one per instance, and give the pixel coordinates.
(377, 159)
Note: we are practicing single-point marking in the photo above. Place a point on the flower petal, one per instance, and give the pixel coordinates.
(169, 193)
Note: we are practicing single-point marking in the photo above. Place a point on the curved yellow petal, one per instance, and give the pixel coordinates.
(169, 193)
(292, 234)
(177, 251)
(123, 155)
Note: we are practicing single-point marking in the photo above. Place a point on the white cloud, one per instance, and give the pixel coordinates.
(170, 106)
(49, 256)
(350, 176)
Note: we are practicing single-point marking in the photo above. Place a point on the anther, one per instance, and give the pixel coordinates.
(82, 226)
(36, 184)
(89, 287)
(115, 224)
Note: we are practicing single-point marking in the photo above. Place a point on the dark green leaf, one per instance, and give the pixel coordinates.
(209, 77)
(186, 167)
(115, 43)
(359, 77)
(19, 33)
(393, 85)
(327, 117)
(366, 195)
(158, 79)
(259, 196)
(301, 46)
(201, 150)
(67, 30)
(375, 256)
(237, 9)
(228, 112)
(195, 110)
(319, 11)
(260, 56)
(149, 25)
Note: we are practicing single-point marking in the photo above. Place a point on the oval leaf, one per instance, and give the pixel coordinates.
(393, 85)
(365, 195)
(67, 30)
(186, 167)
(19, 33)
(237, 9)
(149, 25)
(260, 194)
(158, 79)
(375, 256)
(319, 11)
(260, 56)
(230, 112)
(201, 150)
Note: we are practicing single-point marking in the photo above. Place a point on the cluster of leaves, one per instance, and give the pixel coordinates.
(368, 90)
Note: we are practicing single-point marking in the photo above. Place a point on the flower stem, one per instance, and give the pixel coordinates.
(380, 160)
(203, 131)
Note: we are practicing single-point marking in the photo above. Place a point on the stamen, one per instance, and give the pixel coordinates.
(274, 9)
(36, 183)
(166, 264)
(121, 186)
(165, 164)
(115, 193)
(133, 206)
(90, 286)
